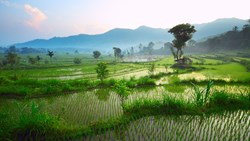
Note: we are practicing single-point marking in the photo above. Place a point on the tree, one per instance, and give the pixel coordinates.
(117, 52)
(151, 69)
(102, 71)
(122, 90)
(235, 28)
(140, 47)
(132, 51)
(77, 61)
(12, 49)
(38, 58)
(32, 60)
(12, 58)
(150, 47)
(182, 33)
(50, 54)
(96, 54)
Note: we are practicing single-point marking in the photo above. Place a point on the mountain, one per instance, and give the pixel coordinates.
(115, 37)
(125, 38)
(216, 27)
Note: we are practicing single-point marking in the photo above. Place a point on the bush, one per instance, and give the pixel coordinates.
(77, 61)
(174, 79)
(33, 125)
(145, 81)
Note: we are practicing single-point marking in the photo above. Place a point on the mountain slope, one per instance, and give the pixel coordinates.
(127, 37)
(216, 27)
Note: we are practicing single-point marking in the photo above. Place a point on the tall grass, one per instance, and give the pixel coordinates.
(34, 125)
(201, 96)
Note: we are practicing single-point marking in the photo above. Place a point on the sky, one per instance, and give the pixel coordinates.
(24, 20)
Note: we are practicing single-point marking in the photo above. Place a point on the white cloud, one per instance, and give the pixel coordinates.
(9, 4)
(37, 16)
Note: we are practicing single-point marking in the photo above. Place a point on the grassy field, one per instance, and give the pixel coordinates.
(63, 100)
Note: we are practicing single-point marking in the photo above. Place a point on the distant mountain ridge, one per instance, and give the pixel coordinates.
(125, 38)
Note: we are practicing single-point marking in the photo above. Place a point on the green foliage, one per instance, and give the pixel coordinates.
(182, 33)
(175, 88)
(122, 89)
(201, 96)
(117, 52)
(7, 124)
(77, 60)
(174, 79)
(246, 64)
(34, 124)
(221, 99)
(50, 54)
(96, 54)
(143, 81)
(12, 58)
(102, 94)
(102, 71)
(231, 40)
(32, 60)
(151, 69)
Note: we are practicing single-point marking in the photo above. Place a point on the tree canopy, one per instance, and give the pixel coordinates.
(96, 54)
(182, 33)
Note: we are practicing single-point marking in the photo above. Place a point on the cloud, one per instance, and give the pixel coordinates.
(9, 4)
(37, 16)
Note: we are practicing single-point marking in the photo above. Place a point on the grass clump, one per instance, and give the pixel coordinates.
(223, 100)
(35, 125)
(175, 88)
(142, 81)
(201, 96)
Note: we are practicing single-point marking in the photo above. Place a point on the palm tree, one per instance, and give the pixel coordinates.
(50, 54)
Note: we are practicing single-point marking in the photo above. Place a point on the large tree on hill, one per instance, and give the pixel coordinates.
(182, 33)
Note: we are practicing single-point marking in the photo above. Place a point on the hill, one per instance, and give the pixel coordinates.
(125, 38)
(233, 40)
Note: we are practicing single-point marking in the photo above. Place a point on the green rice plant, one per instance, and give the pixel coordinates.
(102, 94)
(174, 79)
(35, 125)
(4, 80)
(201, 96)
(142, 81)
(219, 98)
(224, 100)
(175, 88)
(132, 82)
(21, 91)
(7, 123)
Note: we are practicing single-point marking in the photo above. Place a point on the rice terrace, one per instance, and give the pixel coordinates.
(188, 82)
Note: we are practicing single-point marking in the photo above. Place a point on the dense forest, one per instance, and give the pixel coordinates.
(232, 40)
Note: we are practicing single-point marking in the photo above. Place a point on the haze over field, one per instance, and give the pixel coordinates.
(23, 21)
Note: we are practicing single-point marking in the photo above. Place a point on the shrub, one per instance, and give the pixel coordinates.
(33, 125)
(174, 79)
(77, 61)
(102, 71)
(145, 81)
